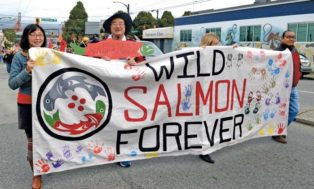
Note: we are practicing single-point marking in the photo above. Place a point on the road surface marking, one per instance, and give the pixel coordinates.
(306, 92)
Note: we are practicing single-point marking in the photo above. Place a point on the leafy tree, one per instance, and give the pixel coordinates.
(166, 19)
(187, 13)
(10, 34)
(76, 23)
(144, 20)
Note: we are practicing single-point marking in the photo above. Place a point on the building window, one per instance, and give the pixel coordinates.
(185, 35)
(304, 31)
(250, 33)
(216, 31)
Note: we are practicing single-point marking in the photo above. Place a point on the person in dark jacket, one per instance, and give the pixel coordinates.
(287, 42)
(7, 59)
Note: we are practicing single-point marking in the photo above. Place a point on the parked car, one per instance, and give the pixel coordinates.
(305, 65)
(149, 49)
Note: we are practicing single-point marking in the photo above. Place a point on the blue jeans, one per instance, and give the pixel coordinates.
(293, 105)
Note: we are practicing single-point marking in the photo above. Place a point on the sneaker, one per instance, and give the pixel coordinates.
(207, 158)
(280, 139)
(125, 164)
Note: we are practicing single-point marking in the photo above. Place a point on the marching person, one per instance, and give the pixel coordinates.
(20, 78)
(209, 39)
(118, 26)
(287, 42)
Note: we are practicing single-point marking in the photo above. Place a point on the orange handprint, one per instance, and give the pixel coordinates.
(43, 165)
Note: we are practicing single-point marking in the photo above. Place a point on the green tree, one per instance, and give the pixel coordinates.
(187, 13)
(76, 23)
(144, 20)
(10, 34)
(166, 19)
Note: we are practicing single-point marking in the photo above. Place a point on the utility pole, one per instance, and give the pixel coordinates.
(126, 5)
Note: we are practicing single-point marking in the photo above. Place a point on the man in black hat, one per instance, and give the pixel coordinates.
(119, 26)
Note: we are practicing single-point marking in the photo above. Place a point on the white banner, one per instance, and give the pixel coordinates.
(89, 111)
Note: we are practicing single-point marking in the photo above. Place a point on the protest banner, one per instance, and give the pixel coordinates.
(89, 111)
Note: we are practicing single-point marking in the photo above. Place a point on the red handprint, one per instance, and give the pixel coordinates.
(43, 165)
(95, 147)
(111, 155)
(281, 128)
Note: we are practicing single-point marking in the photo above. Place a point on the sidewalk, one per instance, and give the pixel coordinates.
(306, 115)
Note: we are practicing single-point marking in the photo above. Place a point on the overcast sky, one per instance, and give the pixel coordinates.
(102, 9)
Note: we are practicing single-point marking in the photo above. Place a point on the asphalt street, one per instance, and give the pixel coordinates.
(258, 163)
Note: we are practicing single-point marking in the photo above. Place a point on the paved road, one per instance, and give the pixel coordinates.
(259, 163)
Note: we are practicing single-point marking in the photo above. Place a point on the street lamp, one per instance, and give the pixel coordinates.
(126, 5)
(157, 11)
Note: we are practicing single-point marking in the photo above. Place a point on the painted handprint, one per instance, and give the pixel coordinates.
(43, 165)
(186, 104)
(110, 154)
(87, 158)
(57, 163)
(95, 147)
(67, 152)
(188, 91)
(79, 148)
(281, 128)
(139, 75)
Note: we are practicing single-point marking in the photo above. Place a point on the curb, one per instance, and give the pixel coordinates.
(305, 121)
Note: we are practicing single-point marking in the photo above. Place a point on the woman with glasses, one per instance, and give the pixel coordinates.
(20, 78)
(209, 39)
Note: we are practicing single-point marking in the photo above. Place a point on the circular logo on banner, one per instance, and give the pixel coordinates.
(73, 104)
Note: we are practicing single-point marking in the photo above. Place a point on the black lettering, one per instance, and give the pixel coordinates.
(162, 68)
(151, 149)
(214, 62)
(238, 124)
(222, 120)
(187, 136)
(212, 138)
(119, 142)
(175, 135)
(185, 69)
(198, 62)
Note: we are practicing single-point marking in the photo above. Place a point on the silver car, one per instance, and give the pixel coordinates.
(305, 65)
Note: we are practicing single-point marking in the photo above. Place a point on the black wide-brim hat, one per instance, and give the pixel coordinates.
(127, 21)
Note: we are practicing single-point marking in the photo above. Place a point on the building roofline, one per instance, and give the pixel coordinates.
(243, 7)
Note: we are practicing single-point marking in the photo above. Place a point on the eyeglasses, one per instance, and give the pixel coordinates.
(118, 24)
(290, 37)
(34, 35)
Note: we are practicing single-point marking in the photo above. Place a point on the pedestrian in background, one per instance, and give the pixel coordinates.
(209, 39)
(7, 59)
(20, 78)
(287, 42)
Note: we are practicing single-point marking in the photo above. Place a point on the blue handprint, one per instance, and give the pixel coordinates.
(188, 91)
(57, 163)
(186, 104)
(265, 114)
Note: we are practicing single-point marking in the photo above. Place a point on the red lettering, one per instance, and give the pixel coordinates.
(141, 107)
(224, 97)
(161, 92)
(235, 89)
(199, 95)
